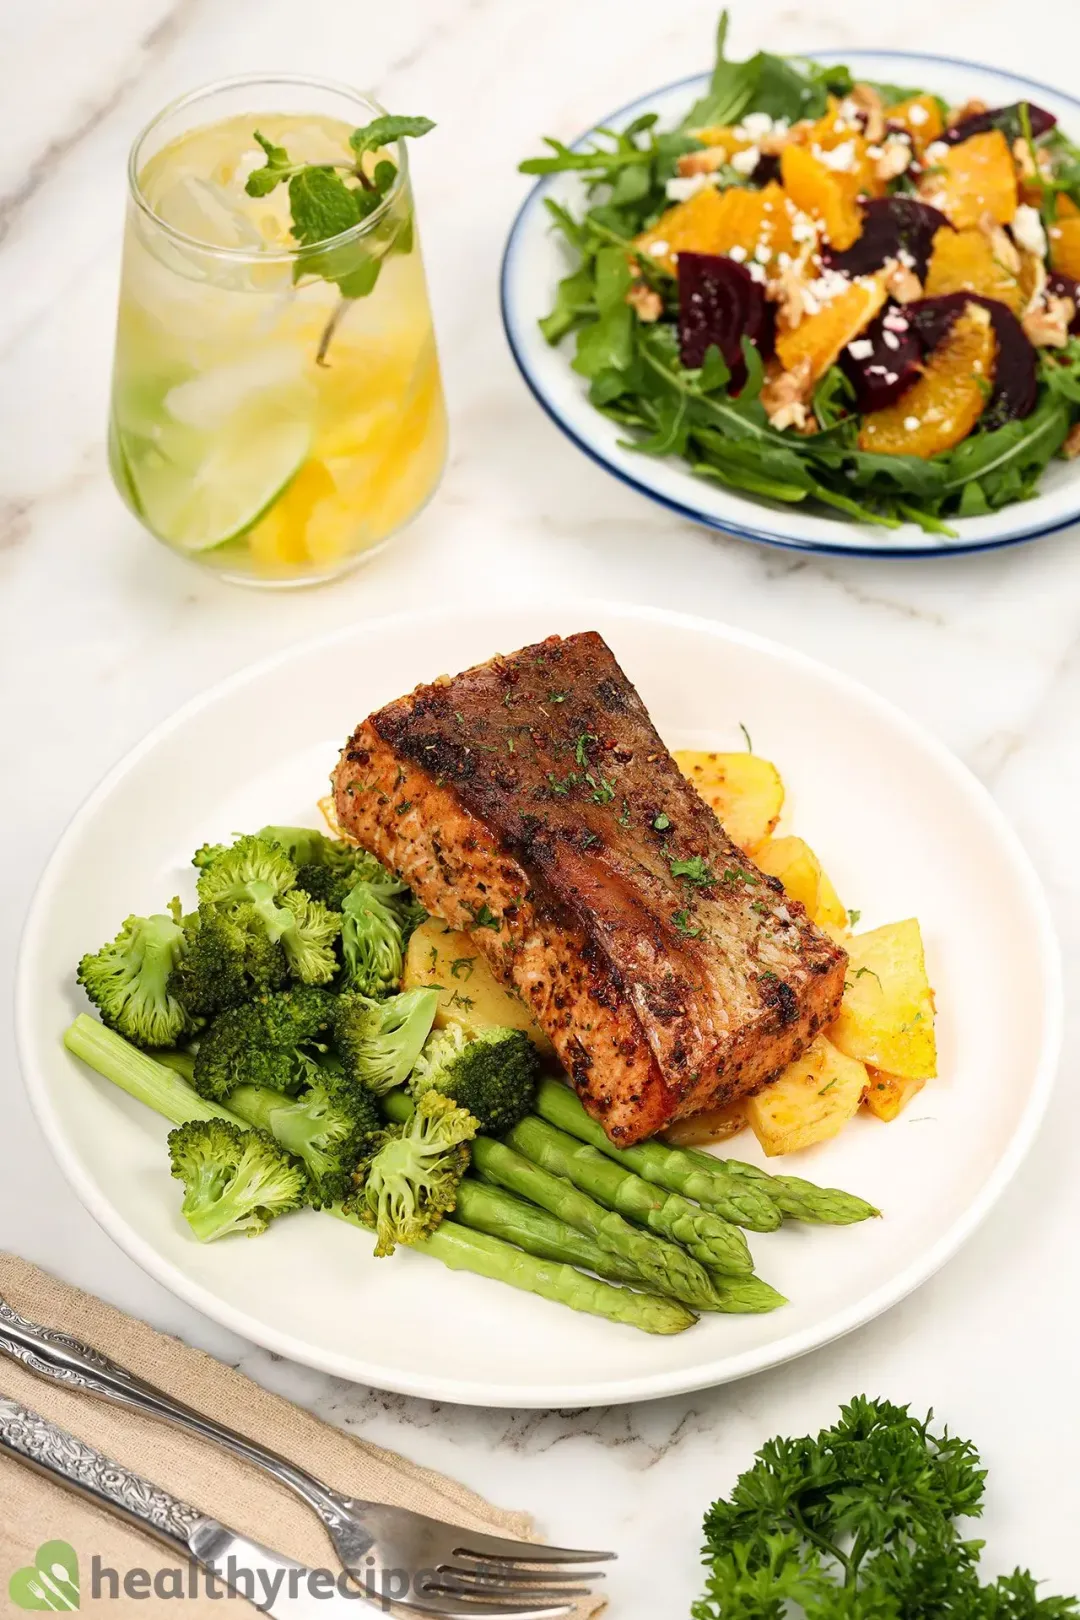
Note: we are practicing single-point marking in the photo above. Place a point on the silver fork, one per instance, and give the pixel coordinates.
(449, 1572)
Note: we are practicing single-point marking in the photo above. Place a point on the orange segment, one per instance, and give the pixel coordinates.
(974, 178)
(921, 117)
(758, 222)
(820, 338)
(836, 133)
(1064, 237)
(693, 226)
(947, 401)
(725, 137)
(965, 261)
(819, 192)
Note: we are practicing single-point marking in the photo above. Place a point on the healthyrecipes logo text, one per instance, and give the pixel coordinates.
(52, 1582)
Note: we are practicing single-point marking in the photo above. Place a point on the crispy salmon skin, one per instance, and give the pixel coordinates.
(530, 801)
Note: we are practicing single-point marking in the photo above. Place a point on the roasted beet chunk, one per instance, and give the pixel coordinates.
(1015, 370)
(1007, 119)
(720, 303)
(884, 360)
(891, 226)
(1063, 286)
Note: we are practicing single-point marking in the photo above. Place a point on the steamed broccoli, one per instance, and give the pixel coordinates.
(229, 958)
(234, 1180)
(328, 1130)
(379, 1041)
(492, 1074)
(129, 980)
(326, 868)
(373, 937)
(411, 1178)
(256, 879)
(272, 1041)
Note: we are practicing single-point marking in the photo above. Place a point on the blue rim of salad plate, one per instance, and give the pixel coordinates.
(782, 542)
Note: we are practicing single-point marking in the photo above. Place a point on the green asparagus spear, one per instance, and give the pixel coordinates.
(801, 1200)
(696, 1176)
(484, 1207)
(465, 1249)
(701, 1232)
(661, 1265)
(745, 1296)
(163, 1089)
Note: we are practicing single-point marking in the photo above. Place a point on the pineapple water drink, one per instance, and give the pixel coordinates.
(277, 410)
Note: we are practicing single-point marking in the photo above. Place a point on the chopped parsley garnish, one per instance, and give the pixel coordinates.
(400, 809)
(695, 870)
(484, 917)
(681, 920)
(661, 822)
(604, 792)
(464, 1002)
(860, 971)
(433, 958)
(853, 917)
(461, 967)
(735, 874)
(624, 819)
(558, 697)
(581, 747)
(746, 735)
(562, 786)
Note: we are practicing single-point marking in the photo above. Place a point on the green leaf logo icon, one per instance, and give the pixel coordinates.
(51, 1582)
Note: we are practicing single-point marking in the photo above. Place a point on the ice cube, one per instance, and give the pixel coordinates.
(205, 211)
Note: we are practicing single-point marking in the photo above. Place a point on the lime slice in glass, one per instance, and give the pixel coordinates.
(197, 491)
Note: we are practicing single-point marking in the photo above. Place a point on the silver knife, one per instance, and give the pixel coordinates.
(278, 1586)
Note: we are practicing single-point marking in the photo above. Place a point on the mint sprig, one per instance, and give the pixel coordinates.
(328, 199)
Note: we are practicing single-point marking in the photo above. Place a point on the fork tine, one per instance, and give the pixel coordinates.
(484, 1599)
(513, 1574)
(471, 1609)
(524, 1552)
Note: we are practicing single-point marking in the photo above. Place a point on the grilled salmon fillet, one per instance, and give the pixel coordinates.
(531, 802)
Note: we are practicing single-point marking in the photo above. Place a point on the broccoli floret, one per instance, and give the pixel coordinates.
(258, 875)
(229, 958)
(272, 1041)
(234, 1180)
(129, 980)
(411, 1178)
(306, 846)
(325, 883)
(328, 1130)
(379, 1041)
(493, 1074)
(372, 939)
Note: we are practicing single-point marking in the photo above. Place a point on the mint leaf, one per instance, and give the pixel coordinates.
(260, 182)
(387, 129)
(322, 205)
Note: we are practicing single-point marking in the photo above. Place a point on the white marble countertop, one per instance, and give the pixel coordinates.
(102, 634)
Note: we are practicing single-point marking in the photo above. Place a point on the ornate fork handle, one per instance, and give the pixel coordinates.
(64, 1360)
(52, 1450)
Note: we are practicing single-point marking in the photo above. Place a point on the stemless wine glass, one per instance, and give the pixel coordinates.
(277, 410)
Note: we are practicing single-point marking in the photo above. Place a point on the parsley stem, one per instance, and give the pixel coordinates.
(822, 1542)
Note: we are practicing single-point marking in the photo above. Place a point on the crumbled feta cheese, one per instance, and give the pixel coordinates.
(757, 272)
(783, 260)
(840, 158)
(875, 152)
(738, 253)
(895, 322)
(763, 253)
(1027, 228)
(917, 114)
(911, 424)
(936, 151)
(906, 259)
(891, 339)
(860, 349)
(757, 124)
(684, 186)
(831, 283)
(660, 250)
(746, 162)
(891, 377)
(803, 229)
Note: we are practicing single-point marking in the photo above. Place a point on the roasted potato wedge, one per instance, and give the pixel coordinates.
(804, 879)
(887, 1015)
(710, 1125)
(888, 1095)
(743, 789)
(811, 1101)
(469, 993)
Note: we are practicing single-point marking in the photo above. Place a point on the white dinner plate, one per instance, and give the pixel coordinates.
(902, 828)
(536, 259)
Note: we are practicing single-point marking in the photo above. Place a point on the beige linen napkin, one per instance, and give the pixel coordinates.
(34, 1509)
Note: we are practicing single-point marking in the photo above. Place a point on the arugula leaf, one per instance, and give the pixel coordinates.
(860, 1523)
(731, 88)
(386, 131)
(574, 300)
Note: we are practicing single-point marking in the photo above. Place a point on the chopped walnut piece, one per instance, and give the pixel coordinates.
(872, 108)
(967, 109)
(705, 162)
(895, 159)
(1071, 448)
(1033, 272)
(1025, 166)
(902, 282)
(645, 301)
(786, 397)
(1002, 246)
(1048, 326)
(791, 292)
